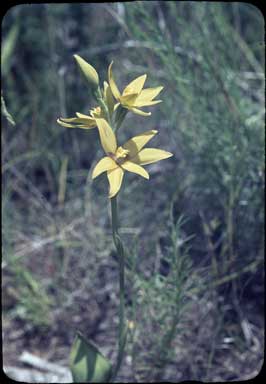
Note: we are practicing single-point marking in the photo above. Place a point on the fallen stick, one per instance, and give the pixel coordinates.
(35, 376)
(42, 364)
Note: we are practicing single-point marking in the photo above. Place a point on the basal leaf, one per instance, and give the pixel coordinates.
(87, 364)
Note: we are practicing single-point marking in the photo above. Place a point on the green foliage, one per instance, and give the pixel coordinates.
(160, 303)
(34, 305)
(5, 112)
(87, 364)
(213, 111)
(8, 49)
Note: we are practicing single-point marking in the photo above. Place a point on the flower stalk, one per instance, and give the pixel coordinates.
(99, 97)
(122, 330)
(120, 116)
(108, 116)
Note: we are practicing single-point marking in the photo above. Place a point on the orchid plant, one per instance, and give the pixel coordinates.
(86, 362)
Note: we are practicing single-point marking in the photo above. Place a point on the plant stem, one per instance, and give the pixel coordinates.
(120, 252)
(98, 95)
(120, 116)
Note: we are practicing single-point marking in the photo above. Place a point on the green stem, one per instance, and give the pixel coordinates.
(99, 97)
(120, 116)
(120, 252)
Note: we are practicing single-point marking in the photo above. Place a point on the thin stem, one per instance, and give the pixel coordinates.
(120, 116)
(122, 330)
(99, 97)
(120, 252)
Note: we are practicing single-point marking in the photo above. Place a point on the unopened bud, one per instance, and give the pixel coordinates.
(88, 71)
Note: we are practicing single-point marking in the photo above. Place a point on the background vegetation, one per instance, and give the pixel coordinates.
(195, 231)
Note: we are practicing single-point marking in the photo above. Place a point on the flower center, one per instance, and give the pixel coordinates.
(120, 155)
(121, 152)
(95, 112)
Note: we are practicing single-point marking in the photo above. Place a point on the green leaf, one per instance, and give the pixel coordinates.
(5, 112)
(87, 364)
(8, 46)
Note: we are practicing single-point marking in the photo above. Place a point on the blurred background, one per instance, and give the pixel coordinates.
(194, 232)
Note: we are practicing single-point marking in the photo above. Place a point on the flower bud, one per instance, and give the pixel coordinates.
(108, 97)
(88, 71)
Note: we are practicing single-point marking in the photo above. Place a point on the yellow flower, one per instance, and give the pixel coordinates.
(88, 121)
(129, 157)
(82, 121)
(134, 96)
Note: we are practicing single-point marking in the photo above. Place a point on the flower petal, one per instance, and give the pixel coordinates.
(84, 117)
(116, 106)
(150, 155)
(140, 112)
(115, 178)
(148, 94)
(105, 164)
(113, 86)
(107, 136)
(135, 168)
(67, 123)
(136, 143)
(128, 100)
(135, 86)
(146, 103)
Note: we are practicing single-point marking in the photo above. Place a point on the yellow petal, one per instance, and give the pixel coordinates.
(83, 119)
(135, 144)
(107, 136)
(148, 94)
(135, 86)
(105, 164)
(128, 100)
(146, 103)
(67, 123)
(82, 116)
(113, 86)
(116, 106)
(150, 155)
(88, 71)
(115, 178)
(140, 112)
(135, 168)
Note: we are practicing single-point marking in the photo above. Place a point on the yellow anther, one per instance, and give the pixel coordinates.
(95, 112)
(121, 153)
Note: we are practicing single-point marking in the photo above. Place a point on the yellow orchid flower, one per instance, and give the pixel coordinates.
(129, 157)
(82, 121)
(88, 121)
(134, 96)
